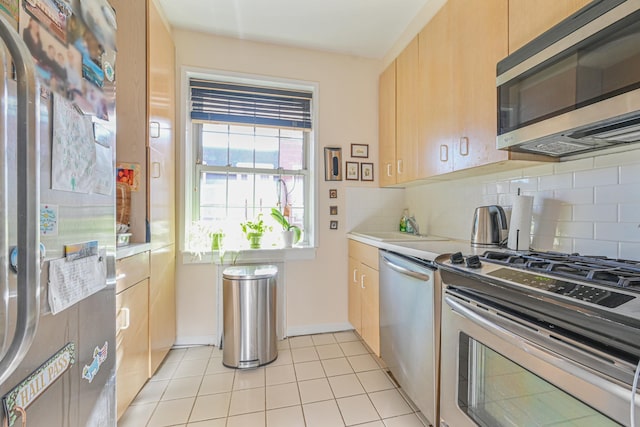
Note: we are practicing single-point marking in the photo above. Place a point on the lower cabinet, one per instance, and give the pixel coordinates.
(132, 328)
(162, 306)
(132, 342)
(364, 293)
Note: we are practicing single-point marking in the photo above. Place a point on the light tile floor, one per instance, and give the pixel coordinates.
(320, 380)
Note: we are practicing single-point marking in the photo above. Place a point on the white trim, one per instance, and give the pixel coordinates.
(322, 328)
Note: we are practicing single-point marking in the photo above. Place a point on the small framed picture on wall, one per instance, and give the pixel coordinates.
(360, 150)
(366, 171)
(352, 171)
(333, 193)
(333, 225)
(333, 210)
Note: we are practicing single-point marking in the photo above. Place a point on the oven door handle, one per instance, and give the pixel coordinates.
(516, 333)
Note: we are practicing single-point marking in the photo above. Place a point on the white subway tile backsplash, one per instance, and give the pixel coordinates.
(630, 174)
(503, 187)
(618, 231)
(602, 213)
(576, 230)
(573, 165)
(630, 212)
(489, 188)
(524, 184)
(575, 196)
(536, 171)
(555, 182)
(595, 247)
(595, 177)
(617, 159)
(629, 250)
(562, 244)
(621, 193)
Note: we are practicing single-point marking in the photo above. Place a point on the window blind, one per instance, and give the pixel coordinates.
(260, 106)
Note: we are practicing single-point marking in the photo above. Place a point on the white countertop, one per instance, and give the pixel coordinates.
(132, 249)
(425, 249)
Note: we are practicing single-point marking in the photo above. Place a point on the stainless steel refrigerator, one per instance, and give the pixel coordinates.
(57, 215)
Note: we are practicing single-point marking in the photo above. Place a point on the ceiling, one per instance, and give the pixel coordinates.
(366, 28)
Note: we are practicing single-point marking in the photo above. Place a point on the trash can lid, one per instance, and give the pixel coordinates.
(250, 272)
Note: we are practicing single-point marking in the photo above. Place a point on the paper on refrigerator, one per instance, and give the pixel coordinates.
(73, 281)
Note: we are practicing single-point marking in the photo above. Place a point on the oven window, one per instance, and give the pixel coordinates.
(496, 392)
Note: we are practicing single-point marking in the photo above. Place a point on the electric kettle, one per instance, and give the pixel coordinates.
(489, 226)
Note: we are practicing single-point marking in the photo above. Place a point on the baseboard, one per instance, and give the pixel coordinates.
(192, 341)
(318, 329)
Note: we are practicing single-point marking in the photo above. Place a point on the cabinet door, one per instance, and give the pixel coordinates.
(370, 307)
(132, 343)
(162, 305)
(480, 41)
(387, 125)
(355, 295)
(161, 115)
(407, 113)
(528, 19)
(436, 122)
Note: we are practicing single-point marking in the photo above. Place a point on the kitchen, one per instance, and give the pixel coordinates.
(596, 209)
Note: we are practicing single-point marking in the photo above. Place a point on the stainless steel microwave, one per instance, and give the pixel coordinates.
(576, 88)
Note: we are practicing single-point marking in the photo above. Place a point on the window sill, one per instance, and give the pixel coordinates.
(245, 256)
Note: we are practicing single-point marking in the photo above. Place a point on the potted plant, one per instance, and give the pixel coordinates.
(290, 233)
(254, 231)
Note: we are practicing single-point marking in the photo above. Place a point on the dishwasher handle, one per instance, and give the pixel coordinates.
(403, 270)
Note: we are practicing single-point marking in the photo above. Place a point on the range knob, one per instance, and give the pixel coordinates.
(456, 258)
(473, 261)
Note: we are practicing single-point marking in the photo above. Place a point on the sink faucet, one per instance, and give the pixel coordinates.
(416, 229)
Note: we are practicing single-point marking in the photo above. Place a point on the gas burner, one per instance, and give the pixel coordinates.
(592, 269)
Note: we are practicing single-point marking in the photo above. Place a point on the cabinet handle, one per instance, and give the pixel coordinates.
(127, 318)
(355, 275)
(400, 167)
(464, 146)
(154, 129)
(444, 153)
(362, 281)
(389, 169)
(155, 170)
(121, 276)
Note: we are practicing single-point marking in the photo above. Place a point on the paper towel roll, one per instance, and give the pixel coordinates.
(520, 224)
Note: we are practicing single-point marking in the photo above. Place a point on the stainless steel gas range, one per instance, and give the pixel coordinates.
(539, 338)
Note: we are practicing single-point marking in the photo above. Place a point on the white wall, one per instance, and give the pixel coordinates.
(590, 206)
(348, 101)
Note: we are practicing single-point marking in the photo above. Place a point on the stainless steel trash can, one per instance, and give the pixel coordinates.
(249, 312)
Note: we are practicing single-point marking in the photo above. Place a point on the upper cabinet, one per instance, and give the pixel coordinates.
(528, 19)
(407, 99)
(387, 125)
(445, 96)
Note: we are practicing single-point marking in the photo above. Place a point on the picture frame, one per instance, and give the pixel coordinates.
(333, 225)
(366, 171)
(360, 150)
(353, 172)
(333, 193)
(333, 210)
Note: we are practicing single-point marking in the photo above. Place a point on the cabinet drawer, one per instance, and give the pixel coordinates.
(131, 270)
(366, 254)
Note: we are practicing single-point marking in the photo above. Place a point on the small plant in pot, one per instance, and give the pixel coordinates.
(254, 230)
(290, 233)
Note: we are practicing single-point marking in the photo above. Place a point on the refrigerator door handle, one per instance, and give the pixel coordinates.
(28, 195)
(4, 206)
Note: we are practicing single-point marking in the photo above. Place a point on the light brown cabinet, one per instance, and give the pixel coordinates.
(364, 293)
(387, 126)
(162, 306)
(459, 49)
(132, 328)
(528, 19)
(407, 98)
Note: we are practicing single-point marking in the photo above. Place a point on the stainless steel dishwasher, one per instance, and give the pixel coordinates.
(408, 324)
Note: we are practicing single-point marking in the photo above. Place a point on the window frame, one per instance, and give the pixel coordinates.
(189, 202)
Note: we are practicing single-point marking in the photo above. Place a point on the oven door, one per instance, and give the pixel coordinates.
(492, 376)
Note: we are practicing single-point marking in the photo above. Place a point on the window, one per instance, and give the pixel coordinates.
(252, 148)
